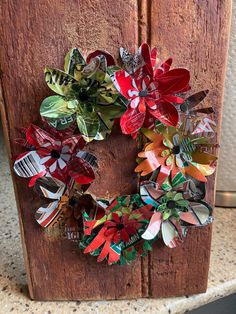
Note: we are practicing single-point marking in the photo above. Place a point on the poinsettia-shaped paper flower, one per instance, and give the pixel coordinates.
(117, 230)
(85, 94)
(61, 158)
(173, 151)
(149, 88)
(173, 211)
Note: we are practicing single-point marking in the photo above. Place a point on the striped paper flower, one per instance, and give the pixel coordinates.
(173, 210)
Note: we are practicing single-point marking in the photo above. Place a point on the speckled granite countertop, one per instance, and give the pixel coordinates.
(13, 288)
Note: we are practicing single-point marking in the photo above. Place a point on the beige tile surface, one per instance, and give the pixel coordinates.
(13, 287)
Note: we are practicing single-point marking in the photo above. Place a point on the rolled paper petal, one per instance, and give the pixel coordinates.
(110, 60)
(153, 227)
(173, 81)
(164, 67)
(131, 121)
(89, 226)
(57, 107)
(142, 106)
(147, 69)
(115, 217)
(114, 254)
(105, 251)
(170, 233)
(198, 214)
(153, 56)
(39, 137)
(166, 113)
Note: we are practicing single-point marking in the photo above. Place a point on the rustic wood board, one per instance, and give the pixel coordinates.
(39, 33)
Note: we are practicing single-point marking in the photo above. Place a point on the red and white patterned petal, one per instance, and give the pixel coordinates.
(166, 113)
(154, 227)
(81, 171)
(171, 233)
(124, 84)
(28, 165)
(131, 121)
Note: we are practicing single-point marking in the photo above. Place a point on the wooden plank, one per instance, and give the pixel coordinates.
(29, 42)
(195, 33)
(35, 34)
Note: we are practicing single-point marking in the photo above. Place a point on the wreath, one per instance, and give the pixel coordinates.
(175, 134)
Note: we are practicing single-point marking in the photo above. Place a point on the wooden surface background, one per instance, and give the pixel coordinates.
(39, 33)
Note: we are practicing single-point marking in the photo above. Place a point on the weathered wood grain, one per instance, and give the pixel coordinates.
(39, 33)
(195, 33)
(35, 34)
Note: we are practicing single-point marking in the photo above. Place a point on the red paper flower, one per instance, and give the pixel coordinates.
(121, 227)
(56, 157)
(150, 88)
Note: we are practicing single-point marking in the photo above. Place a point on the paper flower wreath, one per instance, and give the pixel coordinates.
(175, 133)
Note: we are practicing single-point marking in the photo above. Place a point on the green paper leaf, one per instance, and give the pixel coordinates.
(59, 81)
(183, 203)
(57, 107)
(88, 124)
(166, 215)
(74, 62)
(61, 123)
(178, 197)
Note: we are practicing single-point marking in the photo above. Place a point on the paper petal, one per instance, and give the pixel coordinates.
(173, 81)
(28, 165)
(131, 121)
(170, 233)
(166, 113)
(198, 214)
(46, 215)
(153, 227)
(59, 81)
(57, 107)
(49, 187)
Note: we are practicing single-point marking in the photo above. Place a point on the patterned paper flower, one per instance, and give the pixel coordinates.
(60, 158)
(173, 210)
(85, 93)
(116, 235)
(149, 88)
(57, 192)
(121, 228)
(174, 151)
